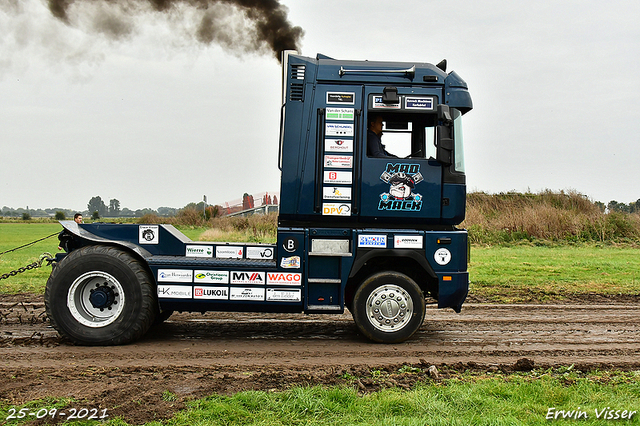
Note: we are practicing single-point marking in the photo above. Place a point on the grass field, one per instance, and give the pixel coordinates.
(561, 396)
(498, 273)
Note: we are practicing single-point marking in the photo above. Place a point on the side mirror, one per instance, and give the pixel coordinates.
(444, 141)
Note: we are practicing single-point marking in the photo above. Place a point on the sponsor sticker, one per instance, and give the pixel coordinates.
(379, 241)
(260, 252)
(336, 193)
(290, 244)
(378, 104)
(175, 275)
(337, 177)
(338, 161)
(148, 234)
(292, 262)
(174, 292)
(284, 278)
(211, 293)
(229, 252)
(407, 241)
(341, 98)
(211, 277)
(336, 209)
(339, 129)
(199, 251)
(283, 295)
(340, 114)
(442, 256)
(416, 102)
(402, 180)
(236, 293)
(247, 278)
(338, 145)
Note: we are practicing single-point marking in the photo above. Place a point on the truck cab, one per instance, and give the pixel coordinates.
(358, 228)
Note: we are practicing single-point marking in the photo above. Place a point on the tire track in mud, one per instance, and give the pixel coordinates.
(482, 333)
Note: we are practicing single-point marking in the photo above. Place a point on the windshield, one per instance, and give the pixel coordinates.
(458, 141)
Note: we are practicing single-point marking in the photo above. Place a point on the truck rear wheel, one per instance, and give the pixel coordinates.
(100, 295)
(388, 307)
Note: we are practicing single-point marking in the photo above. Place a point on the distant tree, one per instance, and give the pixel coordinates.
(114, 208)
(615, 206)
(167, 211)
(26, 216)
(212, 211)
(60, 215)
(95, 215)
(97, 205)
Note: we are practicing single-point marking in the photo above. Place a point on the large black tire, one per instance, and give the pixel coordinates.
(100, 295)
(388, 307)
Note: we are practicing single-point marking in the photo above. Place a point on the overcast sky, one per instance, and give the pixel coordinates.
(156, 118)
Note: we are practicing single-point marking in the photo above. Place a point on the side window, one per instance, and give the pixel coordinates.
(402, 135)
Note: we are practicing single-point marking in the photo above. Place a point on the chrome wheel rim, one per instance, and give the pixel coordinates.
(389, 308)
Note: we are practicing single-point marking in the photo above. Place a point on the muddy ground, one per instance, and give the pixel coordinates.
(193, 355)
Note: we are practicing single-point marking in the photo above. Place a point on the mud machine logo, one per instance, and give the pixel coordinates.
(402, 179)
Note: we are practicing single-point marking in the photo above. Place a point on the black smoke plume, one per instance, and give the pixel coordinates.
(261, 24)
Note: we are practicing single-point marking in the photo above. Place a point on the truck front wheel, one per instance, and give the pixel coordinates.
(388, 307)
(100, 295)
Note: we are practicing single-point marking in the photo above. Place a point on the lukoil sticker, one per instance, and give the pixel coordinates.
(259, 252)
(148, 234)
(379, 241)
(252, 293)
(229, 252)
(221, 277)
(336, 193)
(407, 241)
(175, 275)
(335, 209)
(442, 256)
(174, 292)
(284, 278)
(247, 278)
(402, 179)
(292, 262)
(199, 251)
(337, 177)
(338, 145)
(211, 293)
(283, 295)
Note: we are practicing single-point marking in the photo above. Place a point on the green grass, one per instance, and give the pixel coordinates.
(521, 273)
(463, 399)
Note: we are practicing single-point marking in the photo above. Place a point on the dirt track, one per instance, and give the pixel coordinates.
(193, 355)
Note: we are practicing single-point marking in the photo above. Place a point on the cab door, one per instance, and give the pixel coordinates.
(405, 186)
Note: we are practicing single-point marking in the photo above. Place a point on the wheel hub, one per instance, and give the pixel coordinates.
(102, 297)
(389, 308)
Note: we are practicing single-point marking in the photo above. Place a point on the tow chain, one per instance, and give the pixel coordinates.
(37, 264)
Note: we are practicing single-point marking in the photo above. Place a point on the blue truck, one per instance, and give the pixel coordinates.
(375, 234)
